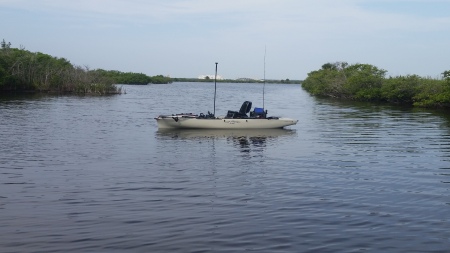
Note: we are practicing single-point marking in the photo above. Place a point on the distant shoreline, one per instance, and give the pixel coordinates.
(196, 80)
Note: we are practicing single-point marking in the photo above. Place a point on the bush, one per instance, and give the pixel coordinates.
(368, 83)
(400, 89)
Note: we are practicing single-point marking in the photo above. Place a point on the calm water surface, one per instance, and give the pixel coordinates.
(94, 174)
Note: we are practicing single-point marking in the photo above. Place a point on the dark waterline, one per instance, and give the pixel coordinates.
(94, 174)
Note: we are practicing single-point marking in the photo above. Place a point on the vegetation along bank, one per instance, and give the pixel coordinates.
(25, 71)
(365, 82)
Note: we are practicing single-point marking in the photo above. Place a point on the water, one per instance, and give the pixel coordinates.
(93, 174)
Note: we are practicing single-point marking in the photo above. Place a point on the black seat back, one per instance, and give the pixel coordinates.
(246, 107)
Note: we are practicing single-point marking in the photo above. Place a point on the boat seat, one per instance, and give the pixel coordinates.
(242, 113)
(245, 107)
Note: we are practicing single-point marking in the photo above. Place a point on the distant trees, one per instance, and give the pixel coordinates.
(123, 78)
(367, 82)
(22, 70)
(240, 80)
(133, 78)
(160, 79)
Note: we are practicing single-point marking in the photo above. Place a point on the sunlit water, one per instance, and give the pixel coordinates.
(94, 174)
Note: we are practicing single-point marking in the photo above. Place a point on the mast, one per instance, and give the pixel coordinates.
(264, 80)
(215, 89)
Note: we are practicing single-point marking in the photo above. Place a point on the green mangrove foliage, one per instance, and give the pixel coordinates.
(132, 78)
(368, 83)
(22, 70)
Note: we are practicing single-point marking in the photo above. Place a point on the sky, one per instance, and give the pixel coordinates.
(275, 39)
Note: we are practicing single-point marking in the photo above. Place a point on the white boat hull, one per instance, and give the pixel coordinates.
(189, 122)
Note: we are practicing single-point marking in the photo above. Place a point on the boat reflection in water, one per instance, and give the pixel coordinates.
(243, 138)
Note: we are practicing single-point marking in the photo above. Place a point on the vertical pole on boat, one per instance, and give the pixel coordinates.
(215, 89)
(264, 85)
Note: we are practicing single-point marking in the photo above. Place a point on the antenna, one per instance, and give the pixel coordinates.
(215, 89)
(264, 85)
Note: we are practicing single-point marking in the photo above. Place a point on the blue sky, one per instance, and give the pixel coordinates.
(184, 38)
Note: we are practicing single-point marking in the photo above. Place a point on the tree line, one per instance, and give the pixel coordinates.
(22, 70)
(132, 78)
(365, 82)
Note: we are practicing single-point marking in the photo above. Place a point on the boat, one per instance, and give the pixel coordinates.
(242, 119)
